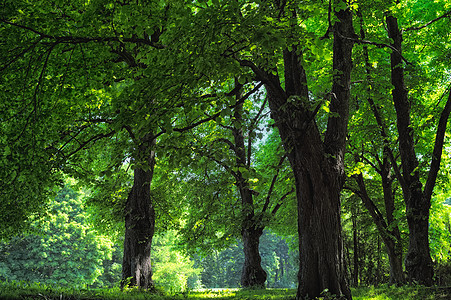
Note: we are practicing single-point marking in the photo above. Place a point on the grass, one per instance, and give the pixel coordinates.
(21, 290)
(401, 293)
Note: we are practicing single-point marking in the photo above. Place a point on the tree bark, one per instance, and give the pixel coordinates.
(418, 259)
(253, 274)
(139, 226)
(318, 166)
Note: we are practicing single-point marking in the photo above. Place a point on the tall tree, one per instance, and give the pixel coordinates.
(418, 200)
(365, 144)
(318, 164)
(99, 43)
(413, 140)
(265, 39)
(231, 144)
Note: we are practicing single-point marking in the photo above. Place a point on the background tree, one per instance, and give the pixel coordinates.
(406, 106)
(65, 250)
(235, 157)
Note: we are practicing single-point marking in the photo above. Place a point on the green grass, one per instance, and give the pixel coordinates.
(20, 290)
(405, 292)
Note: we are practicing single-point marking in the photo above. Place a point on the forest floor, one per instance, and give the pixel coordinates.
(36, 291)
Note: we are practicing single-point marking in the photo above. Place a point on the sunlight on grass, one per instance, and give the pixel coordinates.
(213, 293)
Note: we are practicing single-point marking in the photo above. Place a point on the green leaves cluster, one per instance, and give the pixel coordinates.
(66, 251)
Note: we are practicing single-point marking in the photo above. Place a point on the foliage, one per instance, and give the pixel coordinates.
(67, 252)
(172, 269)
(83, 82)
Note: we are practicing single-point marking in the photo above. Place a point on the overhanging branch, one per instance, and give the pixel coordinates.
(428, 23)
(82, 40)
(212, 117)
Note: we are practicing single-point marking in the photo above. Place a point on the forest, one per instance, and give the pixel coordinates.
(228, 149)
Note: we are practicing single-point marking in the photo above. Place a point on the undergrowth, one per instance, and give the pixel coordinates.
(23, 290)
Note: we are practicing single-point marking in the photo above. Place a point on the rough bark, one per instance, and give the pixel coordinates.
(317, 166)
(418, 260)
(139, 226)
(321, 248)
(253, 274)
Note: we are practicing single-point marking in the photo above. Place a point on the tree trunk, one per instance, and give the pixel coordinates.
(320, 242)
(395, 259)
(139, 227)
(355, 274)
(318, 180)
(392, 237)
(253, 274)
(418, 259)
(318, 166)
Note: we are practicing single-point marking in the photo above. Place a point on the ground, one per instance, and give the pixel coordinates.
(19, 290)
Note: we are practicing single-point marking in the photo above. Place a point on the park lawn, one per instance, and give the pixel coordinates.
(17, 290)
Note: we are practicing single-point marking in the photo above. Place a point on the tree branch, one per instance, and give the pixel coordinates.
(92, 139)
(428, 23)
(369, 204)
(273, 183)
(226, 141)
(438, 149)
(281, 200)
(212, 117)
(379, 45)
(82, 40)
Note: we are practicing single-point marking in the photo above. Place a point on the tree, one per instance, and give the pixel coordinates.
(257, 205)
(64, 117)
(418, 201)
(65, 250)
(225, 180)
(318, 180)
(264, 39)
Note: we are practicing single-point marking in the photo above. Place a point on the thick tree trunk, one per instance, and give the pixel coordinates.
(320, 242)
(318, 166)
(139, 228)
(419, 264)
(253, 274)
(418, 259)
